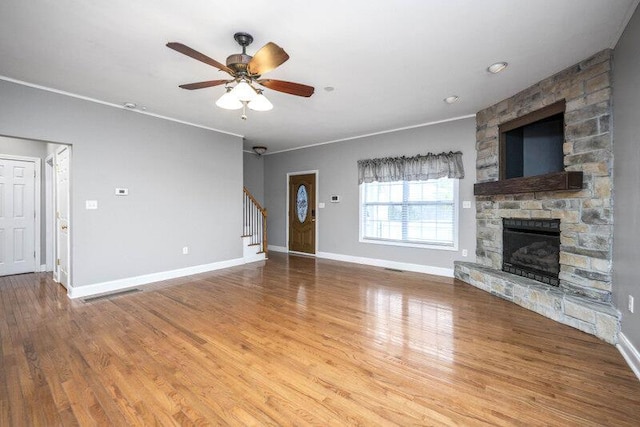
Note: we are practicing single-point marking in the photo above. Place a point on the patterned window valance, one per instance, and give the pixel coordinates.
(417, 168)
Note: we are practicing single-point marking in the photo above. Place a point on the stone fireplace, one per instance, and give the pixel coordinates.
(580, 293)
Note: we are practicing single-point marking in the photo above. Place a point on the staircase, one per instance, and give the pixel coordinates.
(254, 228)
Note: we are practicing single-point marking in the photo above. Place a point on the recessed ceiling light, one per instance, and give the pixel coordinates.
(451, 99)
(497, 67)
(129, 105)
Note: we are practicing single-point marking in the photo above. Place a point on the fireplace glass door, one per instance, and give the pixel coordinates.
(531, 248)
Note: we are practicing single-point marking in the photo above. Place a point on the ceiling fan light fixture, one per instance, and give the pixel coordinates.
(260, 103)
(259, 149)
(243, 91)
(228, 101)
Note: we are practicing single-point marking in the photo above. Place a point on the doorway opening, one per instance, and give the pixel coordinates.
(39, 200)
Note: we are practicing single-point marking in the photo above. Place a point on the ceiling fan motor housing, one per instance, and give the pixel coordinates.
(238, 62)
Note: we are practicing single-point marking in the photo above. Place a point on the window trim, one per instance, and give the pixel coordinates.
(401, 243)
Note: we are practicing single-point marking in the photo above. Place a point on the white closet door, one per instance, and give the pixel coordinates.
(17, 217)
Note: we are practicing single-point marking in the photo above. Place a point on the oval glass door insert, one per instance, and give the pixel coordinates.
(302, 203)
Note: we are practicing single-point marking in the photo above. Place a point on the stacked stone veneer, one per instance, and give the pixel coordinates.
(586, 228)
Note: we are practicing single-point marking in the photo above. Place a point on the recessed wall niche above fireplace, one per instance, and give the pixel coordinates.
(532, 145)
(531, 155)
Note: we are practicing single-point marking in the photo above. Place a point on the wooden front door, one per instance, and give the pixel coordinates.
(302, 213)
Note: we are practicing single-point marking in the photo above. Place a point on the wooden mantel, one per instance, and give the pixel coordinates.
(556, 181)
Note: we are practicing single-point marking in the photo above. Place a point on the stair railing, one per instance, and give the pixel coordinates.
(254, 220)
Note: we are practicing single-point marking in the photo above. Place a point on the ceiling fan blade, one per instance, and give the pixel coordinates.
(186, 50)
(202, 85)
(269, 57)
(288, 87)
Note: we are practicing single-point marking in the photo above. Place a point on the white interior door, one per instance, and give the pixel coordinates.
(62, 271)
(17, 217)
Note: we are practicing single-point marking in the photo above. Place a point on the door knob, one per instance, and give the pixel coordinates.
(64, 227)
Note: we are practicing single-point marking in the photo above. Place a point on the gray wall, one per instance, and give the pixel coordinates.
(626, 150)
(338, 174)
(184, 184)
(253, 170)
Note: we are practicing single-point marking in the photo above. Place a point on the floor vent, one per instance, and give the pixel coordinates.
(115, 294)
(394, 269)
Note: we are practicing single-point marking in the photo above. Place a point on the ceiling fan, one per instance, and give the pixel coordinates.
(245, 70)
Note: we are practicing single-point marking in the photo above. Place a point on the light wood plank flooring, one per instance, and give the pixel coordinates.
(300, 341)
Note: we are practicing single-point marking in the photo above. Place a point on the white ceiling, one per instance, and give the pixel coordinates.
(391, 62)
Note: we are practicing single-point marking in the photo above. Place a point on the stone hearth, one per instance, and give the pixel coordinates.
(590, 316)
(583, 299)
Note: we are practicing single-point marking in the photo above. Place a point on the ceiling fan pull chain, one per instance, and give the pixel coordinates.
(244, 110)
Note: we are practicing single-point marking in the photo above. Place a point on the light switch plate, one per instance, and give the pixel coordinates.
(122, 191)
(91, 204)
(321, 205)
(466, 204)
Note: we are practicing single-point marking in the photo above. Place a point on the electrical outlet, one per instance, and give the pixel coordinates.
(631, 303)
(185, 250)
(465, 252)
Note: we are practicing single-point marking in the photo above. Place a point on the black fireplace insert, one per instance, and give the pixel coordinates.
(531, 248)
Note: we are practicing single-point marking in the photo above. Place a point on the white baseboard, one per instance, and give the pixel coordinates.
(630, 353)
(275, 248)
(43, 267)
(129, 282)
(417, 268)
(254, 258)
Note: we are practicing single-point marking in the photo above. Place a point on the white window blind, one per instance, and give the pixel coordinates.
(422, 213)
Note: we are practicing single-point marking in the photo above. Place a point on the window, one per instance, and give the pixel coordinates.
(410, 213)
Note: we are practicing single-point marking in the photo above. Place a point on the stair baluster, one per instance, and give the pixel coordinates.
(254, 221)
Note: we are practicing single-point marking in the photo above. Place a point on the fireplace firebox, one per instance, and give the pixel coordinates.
(531, 248)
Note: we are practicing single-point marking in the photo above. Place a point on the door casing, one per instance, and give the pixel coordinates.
(50, 213)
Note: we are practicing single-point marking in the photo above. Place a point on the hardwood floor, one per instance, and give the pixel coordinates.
(300, 341)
